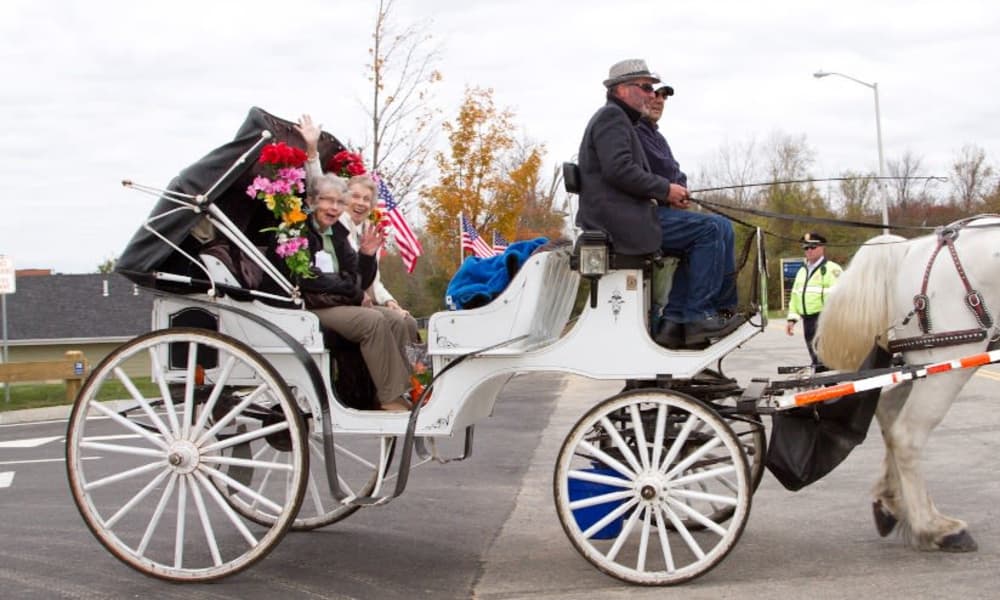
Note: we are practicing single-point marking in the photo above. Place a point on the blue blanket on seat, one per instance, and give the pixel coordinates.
(479, 280)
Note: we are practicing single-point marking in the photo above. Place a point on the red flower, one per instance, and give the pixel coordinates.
(346, 164)
(282, 155)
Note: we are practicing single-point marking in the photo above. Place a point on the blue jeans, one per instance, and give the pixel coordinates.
(705, 281)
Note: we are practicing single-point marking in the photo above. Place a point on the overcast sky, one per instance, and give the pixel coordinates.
(97, 91)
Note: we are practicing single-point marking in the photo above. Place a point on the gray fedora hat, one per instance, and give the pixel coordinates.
(627, 70)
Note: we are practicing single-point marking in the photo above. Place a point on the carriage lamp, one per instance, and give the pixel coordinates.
(593, 259)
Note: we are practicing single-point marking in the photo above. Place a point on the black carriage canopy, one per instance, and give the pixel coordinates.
(147, 253)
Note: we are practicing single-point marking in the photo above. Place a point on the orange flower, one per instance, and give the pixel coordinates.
(294, 216)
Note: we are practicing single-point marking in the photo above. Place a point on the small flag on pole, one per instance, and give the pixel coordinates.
(473, 242)
(407, 242)
(499, 243)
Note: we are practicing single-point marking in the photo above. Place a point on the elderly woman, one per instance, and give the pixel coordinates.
(361, 202)
(336, 290)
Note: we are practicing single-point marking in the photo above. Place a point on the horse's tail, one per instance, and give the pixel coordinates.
(858, 308)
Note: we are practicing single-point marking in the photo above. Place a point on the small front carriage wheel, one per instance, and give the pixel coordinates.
(153, 477)
(637, 472)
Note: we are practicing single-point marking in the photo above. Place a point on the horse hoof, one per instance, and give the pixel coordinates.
(885, 522)
(958, 542)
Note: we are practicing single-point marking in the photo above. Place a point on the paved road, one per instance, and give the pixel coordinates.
(487, 528)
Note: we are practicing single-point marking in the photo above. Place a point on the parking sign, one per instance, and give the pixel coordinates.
(7, 279)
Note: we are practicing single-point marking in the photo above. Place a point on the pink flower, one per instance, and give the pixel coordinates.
(291, 247)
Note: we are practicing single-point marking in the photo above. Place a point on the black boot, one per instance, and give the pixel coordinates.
(712, 328)
(671, 335)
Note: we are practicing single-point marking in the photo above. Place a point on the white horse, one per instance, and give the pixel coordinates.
(874, 300)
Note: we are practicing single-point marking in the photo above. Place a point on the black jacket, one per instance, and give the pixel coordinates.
(617, 188)
(355, 271)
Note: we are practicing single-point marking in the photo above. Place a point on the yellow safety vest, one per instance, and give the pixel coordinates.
(809, 292)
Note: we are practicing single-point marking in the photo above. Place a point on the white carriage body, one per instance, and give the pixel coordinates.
(527, 323)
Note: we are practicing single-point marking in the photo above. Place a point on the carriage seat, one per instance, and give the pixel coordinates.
(533, 309)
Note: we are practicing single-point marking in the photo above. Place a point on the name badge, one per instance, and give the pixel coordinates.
(324, 262)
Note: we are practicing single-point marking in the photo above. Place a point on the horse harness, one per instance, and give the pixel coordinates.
(921, 303)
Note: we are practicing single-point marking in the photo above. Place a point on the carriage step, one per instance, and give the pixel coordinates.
(789, 370)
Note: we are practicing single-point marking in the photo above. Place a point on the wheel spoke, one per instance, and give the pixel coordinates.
(119, 449)
(250, 436)
(640, 561)
(607, 459)
(716, 473)
(608, 518)
(271, 505)
(640, 436)
(678, 444)
(619, 443)
(599, 478)
(697, 516)
(154, 520)
(138, 497)
(661, 530)
(181, 520)
(661, 419)
(160, 376)
(141, 470)
(624, 534)
(133, 391)
(603, 498)
(132, 426)
(693, 457)
(220, 385)
(246, 462)
(226, 508)
(685, 534)
(189, 381)
(232, 414)
(206, 524)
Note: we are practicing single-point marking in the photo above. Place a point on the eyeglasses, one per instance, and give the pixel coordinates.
(338, 200)
(646, 87)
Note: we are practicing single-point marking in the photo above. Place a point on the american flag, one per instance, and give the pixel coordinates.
(499, 243)
(472, 241)
(407, 242)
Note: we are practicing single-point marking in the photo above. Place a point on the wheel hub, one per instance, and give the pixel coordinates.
(183, 456)
(650, 487)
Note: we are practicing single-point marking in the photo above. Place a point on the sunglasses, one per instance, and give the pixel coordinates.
(810, 246)
(646, 87)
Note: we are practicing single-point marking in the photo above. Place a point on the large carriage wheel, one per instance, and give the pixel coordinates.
(360, 458)
(636, 471)
(147, 480)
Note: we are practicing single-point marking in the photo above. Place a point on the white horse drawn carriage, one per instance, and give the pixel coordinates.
(247, 436)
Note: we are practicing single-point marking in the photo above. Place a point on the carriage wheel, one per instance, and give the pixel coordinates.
(359, 461)
(146, 480)
(625, 493)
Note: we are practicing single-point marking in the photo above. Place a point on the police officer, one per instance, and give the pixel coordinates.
(810, 290)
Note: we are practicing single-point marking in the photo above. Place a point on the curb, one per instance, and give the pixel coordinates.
(31, 415)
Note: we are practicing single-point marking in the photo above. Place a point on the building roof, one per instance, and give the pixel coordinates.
(92, 305)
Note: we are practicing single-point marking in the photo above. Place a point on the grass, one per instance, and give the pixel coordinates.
(38, 395)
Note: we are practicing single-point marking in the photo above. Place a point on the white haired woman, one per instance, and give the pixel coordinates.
(336, 289)
(362, 201)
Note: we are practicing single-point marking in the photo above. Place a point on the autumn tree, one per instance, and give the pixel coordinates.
(486, 174)
(402, 73)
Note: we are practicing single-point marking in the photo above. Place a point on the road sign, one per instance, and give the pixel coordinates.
(7, 280)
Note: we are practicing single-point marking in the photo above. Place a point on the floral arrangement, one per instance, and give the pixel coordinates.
(346, 164)
(279, 189)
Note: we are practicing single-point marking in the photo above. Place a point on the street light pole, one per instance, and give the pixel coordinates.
(878, 133)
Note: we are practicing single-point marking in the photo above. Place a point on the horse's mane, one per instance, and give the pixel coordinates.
(858, 307)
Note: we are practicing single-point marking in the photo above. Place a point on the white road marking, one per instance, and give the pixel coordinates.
(30, 442)
(42, 460)
(6, 478)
